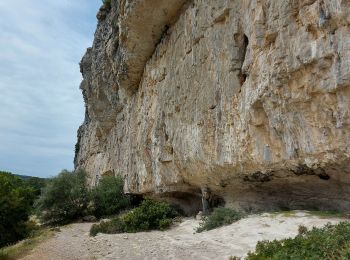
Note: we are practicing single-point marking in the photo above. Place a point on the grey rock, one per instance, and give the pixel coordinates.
(237, 96)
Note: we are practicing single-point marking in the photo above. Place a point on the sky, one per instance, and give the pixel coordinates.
(41, 44)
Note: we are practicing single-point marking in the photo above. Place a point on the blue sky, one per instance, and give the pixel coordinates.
(41, 44)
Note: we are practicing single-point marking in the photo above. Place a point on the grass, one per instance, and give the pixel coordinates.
(285, 213)
(321, 214)
(329, 242)
(22, 248)
(288, 213)
(328, 214)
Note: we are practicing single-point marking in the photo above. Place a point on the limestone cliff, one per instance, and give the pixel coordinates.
(250, 98)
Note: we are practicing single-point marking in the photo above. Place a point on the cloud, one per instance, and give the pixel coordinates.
(41, 45)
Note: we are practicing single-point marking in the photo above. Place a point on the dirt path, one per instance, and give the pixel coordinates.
(73, 242)
(70, 243)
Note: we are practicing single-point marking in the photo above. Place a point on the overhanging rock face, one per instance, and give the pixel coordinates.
(248, 98)
(142, 24)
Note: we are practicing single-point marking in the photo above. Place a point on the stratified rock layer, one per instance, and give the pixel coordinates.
(248, 98)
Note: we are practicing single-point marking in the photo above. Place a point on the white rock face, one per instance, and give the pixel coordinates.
(248, 98)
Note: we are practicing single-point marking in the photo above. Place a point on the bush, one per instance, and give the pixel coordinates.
(16, 200)
(150, 215)
(329, 242)
(65, 198)
(113, 226)
(108, 197)
(219, 217)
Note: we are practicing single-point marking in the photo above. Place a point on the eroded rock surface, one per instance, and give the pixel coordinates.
(248, 98)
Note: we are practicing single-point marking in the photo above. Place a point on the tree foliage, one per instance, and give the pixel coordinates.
(108, 197)
(16, 199)
(64, 198)
(67, 197)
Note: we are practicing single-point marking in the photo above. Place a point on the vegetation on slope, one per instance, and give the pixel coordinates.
(58, 200)
(329, 242)
(37, 184)
(22, 248)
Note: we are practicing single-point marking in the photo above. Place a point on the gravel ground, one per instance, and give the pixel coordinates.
(180, 242)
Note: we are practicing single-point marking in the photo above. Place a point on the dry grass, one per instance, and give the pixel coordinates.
(24, 247)
(321, 214)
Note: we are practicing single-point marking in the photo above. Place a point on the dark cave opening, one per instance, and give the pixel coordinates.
(242, 74)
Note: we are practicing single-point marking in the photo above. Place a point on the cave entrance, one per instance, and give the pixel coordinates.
(244, 47)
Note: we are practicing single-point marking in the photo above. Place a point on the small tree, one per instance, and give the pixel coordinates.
(16, 200)
(65, 198)
(108, 197)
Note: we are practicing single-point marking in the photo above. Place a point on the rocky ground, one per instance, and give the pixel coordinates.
(181, 242)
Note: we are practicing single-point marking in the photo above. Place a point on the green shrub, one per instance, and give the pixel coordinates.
(164, 223)
(108, 197)
(113, 226)
(16, 200)
(150, 215)
(65, 198)
(329, 242)
(219, 217)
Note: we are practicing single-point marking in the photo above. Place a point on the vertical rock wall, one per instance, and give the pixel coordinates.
(248, 98)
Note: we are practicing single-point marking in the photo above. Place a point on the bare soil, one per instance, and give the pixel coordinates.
(180, 242)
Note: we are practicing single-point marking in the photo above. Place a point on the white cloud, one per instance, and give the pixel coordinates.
(41, 44)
